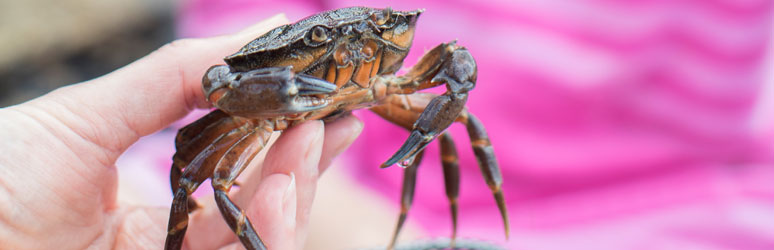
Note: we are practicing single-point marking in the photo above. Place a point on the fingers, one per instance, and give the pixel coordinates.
(147, 95)
(298, 151)
(337, 137)
(273, 210)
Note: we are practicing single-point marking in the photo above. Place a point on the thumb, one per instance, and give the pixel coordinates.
(113, 111)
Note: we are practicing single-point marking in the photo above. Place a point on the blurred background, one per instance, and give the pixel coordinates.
(46, 44)
(618, 124)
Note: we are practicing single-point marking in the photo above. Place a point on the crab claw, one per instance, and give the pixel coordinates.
(436, 117)
(414, 144)
(265, 92)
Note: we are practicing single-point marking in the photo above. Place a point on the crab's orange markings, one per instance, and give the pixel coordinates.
(178, 227)
(331, 75)
(344, 74)
(449, 158)
(363, 75)
(481, 143)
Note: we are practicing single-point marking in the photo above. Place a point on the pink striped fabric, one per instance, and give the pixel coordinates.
(624, 124)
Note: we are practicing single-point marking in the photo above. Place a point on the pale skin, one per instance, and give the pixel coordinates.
(58, 180)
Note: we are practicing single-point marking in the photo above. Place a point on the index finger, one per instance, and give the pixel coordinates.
(148, 94)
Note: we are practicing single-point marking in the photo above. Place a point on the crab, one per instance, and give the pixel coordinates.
(322, 68)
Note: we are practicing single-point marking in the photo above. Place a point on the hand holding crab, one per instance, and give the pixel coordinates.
(58, 181)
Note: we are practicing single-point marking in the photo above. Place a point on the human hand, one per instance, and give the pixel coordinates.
(58, 180)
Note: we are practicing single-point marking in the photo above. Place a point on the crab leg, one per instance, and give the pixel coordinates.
(194, 174)
(451, 178)
(228, 168)
(407, 195)
(484, 152)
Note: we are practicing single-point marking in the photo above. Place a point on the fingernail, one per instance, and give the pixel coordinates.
(289, 202)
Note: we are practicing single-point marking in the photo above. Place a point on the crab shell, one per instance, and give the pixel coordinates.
(354, 37)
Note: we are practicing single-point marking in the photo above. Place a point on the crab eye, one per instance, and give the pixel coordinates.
(319, 34)
(380, 18)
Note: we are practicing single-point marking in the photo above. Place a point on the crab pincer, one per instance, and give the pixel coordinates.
(458, 71)
(265, 91)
